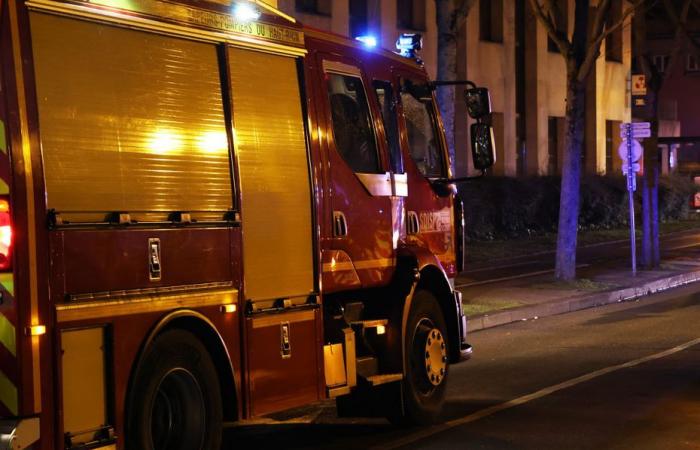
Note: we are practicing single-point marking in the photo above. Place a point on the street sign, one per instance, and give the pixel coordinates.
(623, 150)
(637, 133)
(638, 130)
(630, 152)
(639, 85)
(635, 125)
(636, 167)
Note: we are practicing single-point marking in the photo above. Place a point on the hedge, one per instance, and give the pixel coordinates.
(508, 208)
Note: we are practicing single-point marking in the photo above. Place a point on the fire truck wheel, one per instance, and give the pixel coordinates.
(426, 360)
(176, 399)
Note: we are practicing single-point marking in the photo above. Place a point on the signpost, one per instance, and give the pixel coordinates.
(630, 152)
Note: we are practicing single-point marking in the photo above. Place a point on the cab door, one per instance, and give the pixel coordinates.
(429, 207)
(360, 184)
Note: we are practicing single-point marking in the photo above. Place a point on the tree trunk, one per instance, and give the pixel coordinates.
(447, 70)
(655, 249)
(565, 268)
(646, 223)
(650, 211)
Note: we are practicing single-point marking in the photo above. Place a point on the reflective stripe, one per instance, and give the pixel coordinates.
(8, 282)
(8, 394)
(31, 219)
(8, 335)
(358, 265)
(3, 139)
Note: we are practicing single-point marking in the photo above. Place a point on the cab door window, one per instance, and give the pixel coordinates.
(387, 105)
(352, 123)
(421, 127)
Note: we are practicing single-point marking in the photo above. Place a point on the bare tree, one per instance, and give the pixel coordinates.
(580, 53)
(450, 16)
(655, 80)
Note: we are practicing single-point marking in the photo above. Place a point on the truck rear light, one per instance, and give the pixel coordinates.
(5, 236)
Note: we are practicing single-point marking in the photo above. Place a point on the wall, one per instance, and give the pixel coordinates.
(493, 65)
(612, 94)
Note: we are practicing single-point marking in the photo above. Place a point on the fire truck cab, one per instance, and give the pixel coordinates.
(208, 213)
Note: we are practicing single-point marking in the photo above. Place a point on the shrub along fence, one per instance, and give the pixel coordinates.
(511, 208)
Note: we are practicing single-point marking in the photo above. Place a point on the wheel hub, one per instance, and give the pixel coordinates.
(435, 357)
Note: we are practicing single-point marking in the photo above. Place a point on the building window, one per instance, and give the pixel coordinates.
(561, 22)
(612, 143)
(410, 14)
(692, 64)
(613, 43)
(358, 18)
(660, 62)
(320, 7)
(491, 20)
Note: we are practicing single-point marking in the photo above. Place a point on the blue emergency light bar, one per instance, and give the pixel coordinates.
(409, 43)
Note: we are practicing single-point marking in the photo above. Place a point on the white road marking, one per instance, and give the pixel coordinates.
(428, 432)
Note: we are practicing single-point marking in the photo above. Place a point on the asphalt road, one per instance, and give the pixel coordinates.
(494, 271)
(625, 376)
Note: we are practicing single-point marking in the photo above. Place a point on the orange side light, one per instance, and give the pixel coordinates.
(5, 236)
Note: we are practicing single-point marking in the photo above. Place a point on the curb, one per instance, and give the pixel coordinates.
(555, 307)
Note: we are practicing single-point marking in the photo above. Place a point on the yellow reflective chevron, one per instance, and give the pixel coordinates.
(7, 281)
(8, 335)
(3, 140)
(8, 394)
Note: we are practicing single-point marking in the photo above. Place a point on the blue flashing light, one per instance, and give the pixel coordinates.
(369, 40)
(245, 12)
(409, 44)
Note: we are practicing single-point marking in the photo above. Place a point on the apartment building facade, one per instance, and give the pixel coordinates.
(679, 109)
(504, 48)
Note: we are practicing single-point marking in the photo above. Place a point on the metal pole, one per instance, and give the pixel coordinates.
(631, 181)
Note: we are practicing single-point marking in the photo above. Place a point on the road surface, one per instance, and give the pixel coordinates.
(625, 376)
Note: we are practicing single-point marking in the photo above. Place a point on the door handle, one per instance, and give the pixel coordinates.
(340, 224)
(412, 223)
(154, 261)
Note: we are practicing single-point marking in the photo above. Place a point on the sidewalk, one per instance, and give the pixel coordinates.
(493, 304)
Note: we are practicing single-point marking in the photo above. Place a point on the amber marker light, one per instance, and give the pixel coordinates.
(165, 141)
(36, 330)
(213, 142)
(228, 309)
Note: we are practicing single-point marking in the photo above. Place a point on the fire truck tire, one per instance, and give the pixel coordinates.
(176, 400)
(426, 361)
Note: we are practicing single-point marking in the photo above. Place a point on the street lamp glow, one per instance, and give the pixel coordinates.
(245, 12)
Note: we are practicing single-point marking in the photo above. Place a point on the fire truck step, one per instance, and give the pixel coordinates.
(379, 324)
(367, 366)
(376, 380)
(352, 311)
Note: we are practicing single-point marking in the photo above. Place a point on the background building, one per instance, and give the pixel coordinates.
(504, 48)
(679, 104)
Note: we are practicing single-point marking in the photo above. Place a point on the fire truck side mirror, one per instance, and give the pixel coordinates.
(478, 102)
(483, 146)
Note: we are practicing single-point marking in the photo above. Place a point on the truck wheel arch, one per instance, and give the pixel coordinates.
(433, 279)
(199, 325)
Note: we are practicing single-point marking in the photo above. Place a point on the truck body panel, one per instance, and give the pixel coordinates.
(167, 166)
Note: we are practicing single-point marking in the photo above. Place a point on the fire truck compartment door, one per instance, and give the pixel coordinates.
(270, 144)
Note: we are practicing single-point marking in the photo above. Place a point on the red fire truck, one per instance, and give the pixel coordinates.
(210, 213)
